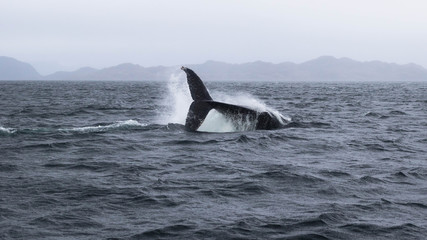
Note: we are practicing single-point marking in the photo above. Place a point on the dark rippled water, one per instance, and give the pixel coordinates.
(91, 160)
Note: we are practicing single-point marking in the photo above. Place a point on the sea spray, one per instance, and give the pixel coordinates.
(250, 101)
(217, 122)
(177, 101)
(241, 99)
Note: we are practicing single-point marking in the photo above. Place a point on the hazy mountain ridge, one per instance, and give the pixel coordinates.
(324, 68)
(12, 69)
(125, 72)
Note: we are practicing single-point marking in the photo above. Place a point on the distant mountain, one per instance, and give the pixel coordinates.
(12, 69)
(122, 72)
(324, 68)
(344, 69)
(76, 75)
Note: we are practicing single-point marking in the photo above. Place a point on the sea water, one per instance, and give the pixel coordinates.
(99, 160)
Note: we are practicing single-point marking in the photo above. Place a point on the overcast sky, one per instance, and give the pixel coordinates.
(68, 34)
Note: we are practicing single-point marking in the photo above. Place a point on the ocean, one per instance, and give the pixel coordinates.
(112, 160)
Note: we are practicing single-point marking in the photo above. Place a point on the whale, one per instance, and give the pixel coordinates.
(203, 104)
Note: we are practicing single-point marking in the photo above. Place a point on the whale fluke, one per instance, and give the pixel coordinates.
(202, 104)
(197, 88)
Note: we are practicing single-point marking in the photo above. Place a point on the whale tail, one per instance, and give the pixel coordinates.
(199, 109)
(202, 104)
(196, 115)
(197, 88)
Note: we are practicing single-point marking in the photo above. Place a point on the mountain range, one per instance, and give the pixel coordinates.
(12, 69)
(325, 68)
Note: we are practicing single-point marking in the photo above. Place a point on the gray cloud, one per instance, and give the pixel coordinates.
(73, 33)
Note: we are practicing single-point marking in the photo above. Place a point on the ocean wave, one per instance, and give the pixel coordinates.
(397, 112)
(165, 232)
(7, 167)
(368, 230)
(191, 142)
(373, 114)
(286, 176)
(88, 166)
(313, 124)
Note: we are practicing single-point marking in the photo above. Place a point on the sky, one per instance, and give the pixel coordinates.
(57, 35)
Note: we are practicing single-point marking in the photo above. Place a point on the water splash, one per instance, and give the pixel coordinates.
(242, 99)
(217, 122)
(247, 100)
(177, 100)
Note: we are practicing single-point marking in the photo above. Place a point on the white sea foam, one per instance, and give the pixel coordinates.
(103, 128)
(7, 130)
(217, 122)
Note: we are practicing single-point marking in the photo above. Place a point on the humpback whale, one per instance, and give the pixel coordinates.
(203, 103)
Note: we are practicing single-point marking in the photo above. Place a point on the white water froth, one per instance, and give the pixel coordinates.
(217, 122)
(7, 130)
(99, 128)
(247, 100)
(241, 99)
